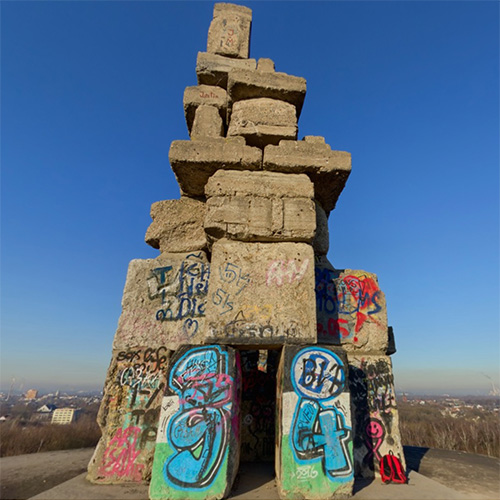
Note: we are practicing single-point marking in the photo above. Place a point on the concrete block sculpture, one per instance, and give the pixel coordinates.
(241, 334)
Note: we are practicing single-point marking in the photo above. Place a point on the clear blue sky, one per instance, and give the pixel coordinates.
(91, 96)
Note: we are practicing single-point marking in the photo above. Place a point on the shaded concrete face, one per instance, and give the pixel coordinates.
(314, 457)
(128, 416)
(197, 449)
(258, 404)
(351, 309)
(375, 415)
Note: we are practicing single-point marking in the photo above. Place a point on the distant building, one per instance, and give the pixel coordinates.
(31, 394)
(44, 413)
(64, 415)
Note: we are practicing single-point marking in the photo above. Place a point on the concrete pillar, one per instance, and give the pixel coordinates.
(197, 448)
(314, 457)
(128, 416)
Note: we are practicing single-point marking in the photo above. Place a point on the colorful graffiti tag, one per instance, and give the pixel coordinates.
(319, 430)
(133, 395)
(183, 292)
(345, 303)
(375, 413)
(196, 426)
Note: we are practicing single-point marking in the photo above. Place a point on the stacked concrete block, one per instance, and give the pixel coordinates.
(328, 170)
(243, 265)
(314, 457)
(254, 291)
(193, 162)
(128, 416)
(197, 447)
(164, 301)
(260, 206)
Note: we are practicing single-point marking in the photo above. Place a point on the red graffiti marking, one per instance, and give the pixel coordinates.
(365, 293)
(121, 454)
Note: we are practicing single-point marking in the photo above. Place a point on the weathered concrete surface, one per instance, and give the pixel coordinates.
(128, 416)
(254, 291)
(177, 225)
(260, 206)
(263, 121)
(261, 82)
(200, 95)
(193, 162)
(197, 450)
(164, 301)
(375, 414)
(212, 69)
(329, 170)
(229, 32)
(207, 123)
(350, 308)
(321, 242)
(314, 455)
(258, 404)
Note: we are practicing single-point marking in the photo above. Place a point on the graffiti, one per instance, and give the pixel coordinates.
(182, 291)
(372, 392)
(319, 430)
(305, 472)
(281, 271)
(199, 430)
(232, 275)
(243, 327)
(121, 455)
(375, 436)
(345, 304)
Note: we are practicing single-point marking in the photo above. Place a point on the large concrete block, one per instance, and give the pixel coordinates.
(329, 170)
(207, 123)
(197, 448)
(229, 32)
(314, 456)
(251, 84)
(254, 291)
(128, 416)
(258, 404)
(351, 309)
(260, 206)
(193, 162)
(201, 95)
(164, 301)
(263, 121)
(375, 414)
(212, 69)
(177, 225)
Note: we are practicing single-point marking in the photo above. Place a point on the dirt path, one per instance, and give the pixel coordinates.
(25, 476)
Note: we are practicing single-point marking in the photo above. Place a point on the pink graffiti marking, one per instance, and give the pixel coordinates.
(121, 454)
(281, 271)
(375, 434)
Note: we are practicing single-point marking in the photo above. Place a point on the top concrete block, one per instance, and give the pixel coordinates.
(193, 162)
(329, 170)
(200, 95)
(229, 32)
(212, 69)
(251, 84)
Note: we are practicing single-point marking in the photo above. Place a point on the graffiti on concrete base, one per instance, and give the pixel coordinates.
(319, 430)
(199, 430)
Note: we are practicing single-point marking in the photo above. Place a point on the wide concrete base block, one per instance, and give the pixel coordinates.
(314, 456)
(197, 450)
